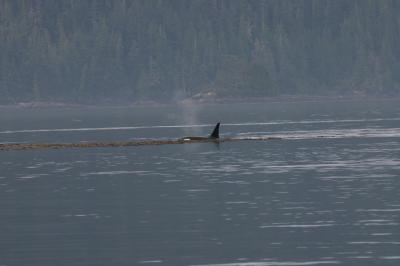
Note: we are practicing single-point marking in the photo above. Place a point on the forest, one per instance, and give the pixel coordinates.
(94, 51)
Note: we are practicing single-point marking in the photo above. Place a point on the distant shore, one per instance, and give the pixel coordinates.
(206, 100)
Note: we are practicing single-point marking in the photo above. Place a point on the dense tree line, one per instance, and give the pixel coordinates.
(91, 50)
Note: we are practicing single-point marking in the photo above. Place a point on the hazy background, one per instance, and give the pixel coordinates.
(125, 51)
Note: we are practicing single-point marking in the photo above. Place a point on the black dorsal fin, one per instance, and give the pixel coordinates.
(215, 133)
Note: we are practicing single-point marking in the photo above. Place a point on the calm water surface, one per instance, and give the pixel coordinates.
(327, 194)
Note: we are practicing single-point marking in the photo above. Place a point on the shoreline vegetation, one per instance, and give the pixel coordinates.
(135, 52)
(202, 100)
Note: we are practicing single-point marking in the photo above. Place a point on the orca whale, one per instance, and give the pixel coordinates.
(213, 136)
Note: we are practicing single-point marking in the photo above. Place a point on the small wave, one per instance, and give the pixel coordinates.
(196, 190)
(320, 134)
(114, 173)
(275, 263)
(381, 234)
(373, 242)
(150, 261)
(390, 257)
(360, 257)
(172, 180)
(31, 176)
(296, 226)
(95, 129)
(81, 215)
(378, 210)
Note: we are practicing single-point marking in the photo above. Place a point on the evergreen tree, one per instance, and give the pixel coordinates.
(99, 50)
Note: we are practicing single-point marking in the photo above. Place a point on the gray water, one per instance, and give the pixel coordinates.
(326, 194)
